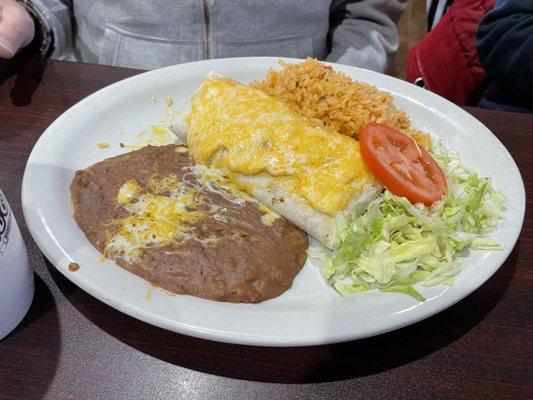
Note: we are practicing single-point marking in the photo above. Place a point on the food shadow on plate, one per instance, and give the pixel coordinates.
(298, 364)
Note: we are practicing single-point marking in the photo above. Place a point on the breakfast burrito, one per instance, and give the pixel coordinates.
(289, 162)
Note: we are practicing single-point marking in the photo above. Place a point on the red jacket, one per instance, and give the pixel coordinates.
(446, 59)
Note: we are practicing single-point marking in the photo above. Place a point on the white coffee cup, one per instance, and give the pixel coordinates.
(16, 276)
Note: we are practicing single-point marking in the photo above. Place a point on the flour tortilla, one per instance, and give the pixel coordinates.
(296, 209)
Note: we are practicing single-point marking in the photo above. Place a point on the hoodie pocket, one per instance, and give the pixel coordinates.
(133, 50)
(294, 46)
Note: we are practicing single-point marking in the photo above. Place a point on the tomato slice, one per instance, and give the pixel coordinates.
(400, 164)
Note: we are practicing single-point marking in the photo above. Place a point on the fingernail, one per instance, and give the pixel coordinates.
(6, 45)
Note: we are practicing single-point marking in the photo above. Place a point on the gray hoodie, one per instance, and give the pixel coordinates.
(150, 34)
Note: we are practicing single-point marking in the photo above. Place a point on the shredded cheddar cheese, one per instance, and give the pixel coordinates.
(154, 219)
(159, 130)
(166, 210)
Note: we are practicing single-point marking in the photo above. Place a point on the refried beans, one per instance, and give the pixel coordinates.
(167, 220)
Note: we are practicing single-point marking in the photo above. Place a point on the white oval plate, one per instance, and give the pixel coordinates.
(309, 313)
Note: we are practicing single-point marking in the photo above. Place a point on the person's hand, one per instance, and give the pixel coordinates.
(16, 28)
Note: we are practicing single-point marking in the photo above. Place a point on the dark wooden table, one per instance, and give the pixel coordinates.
(72, 346)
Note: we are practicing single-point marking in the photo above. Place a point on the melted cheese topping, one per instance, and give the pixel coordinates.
(167, 211)
(154, 219)
(237, 128)
(269, 217)
(128, 191)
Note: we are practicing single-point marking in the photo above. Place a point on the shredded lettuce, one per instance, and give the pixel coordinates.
(395, 245)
